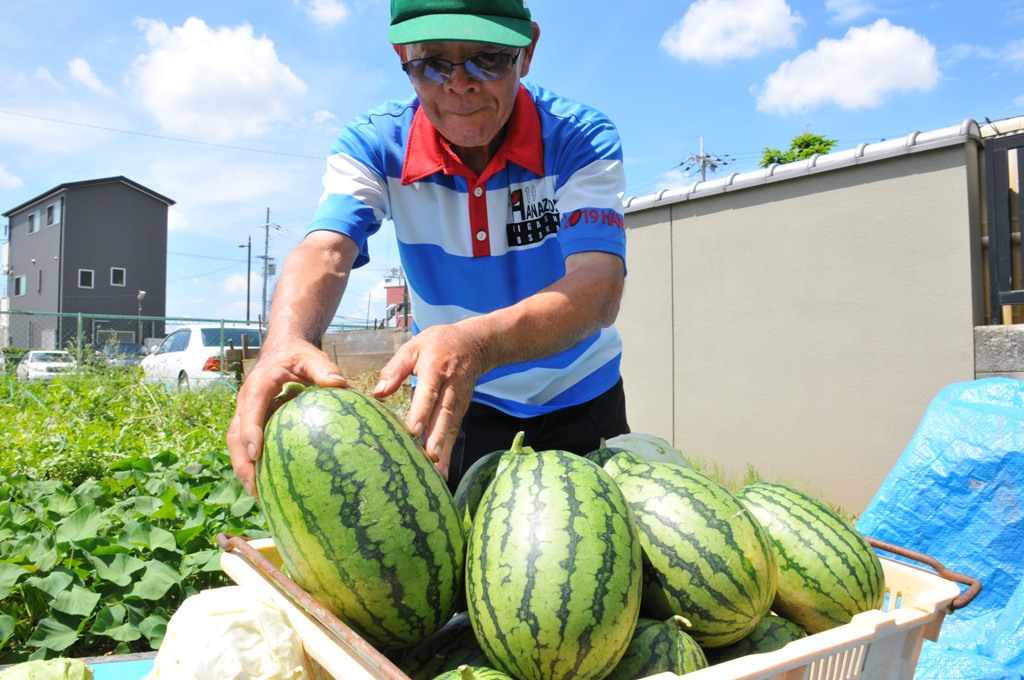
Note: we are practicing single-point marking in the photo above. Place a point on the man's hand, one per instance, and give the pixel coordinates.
(294, 361)
(447, 361)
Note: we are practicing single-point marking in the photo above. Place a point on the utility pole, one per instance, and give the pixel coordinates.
(268, 268)
(705, 161)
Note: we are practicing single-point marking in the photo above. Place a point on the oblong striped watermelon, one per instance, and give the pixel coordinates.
(360, 516)
(660, 647)
(828, 572)
(553, 568)
(770, 633)
(707, 557)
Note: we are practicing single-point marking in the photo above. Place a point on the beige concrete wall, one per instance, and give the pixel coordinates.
(802, 327)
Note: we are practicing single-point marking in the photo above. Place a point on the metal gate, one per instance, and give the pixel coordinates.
(1004, 175)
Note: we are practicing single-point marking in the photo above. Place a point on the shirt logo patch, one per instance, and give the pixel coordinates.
(531, 219)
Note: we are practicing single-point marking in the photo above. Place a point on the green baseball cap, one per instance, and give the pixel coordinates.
(501, 22)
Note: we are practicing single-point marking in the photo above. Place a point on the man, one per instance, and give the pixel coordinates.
(506, 201)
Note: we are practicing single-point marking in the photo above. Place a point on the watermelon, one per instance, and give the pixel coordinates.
(660, 647)
(553, 568)
(649, 447)
(474, 482)
(828, 572)
(770, 633)
(447, 649)
(467, 672)
(707, 558)
(362, 519)
(612, 458)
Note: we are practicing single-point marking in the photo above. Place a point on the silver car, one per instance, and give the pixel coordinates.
(195, 355)
(45, 365)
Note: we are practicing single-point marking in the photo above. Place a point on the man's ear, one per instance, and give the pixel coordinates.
(528, 51)
(400, 51)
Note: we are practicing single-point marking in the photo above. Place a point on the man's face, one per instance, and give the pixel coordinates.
(469, 113)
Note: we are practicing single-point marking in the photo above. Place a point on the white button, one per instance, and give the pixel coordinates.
(481, 236)
(478, 192)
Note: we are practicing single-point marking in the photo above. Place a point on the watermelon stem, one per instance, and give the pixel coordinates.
(680, 622)
(289, 390)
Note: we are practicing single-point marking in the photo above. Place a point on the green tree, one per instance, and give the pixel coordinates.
(800, 147)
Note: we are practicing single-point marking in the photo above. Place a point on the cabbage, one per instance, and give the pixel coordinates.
(48, 669)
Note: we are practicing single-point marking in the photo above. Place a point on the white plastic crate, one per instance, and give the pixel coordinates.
(879, 644)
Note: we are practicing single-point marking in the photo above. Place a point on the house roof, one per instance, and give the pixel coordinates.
(914, 142)
(88, 183)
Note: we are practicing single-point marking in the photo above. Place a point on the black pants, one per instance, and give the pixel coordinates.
(578, 429)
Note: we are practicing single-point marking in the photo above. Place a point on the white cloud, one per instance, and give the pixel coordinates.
(214, 84)
(845, 11)
(234, 284)
(859, 71)
(323, 116)
(325, 12)
(81, 72)
(44, 75)
(9, 181)
(1013, 53)
(714, 31)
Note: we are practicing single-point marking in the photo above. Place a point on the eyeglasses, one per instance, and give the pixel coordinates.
(485, 66)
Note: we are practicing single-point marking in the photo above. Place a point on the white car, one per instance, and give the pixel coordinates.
(194, 356)
(45, 365)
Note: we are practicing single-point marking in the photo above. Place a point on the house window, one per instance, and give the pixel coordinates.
(117, 276)
(53, 214)
(20, 285)
(33, 223)
(85, 278)
(39, 280)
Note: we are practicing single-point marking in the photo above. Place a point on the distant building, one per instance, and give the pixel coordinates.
(399, 311)
(97, 248)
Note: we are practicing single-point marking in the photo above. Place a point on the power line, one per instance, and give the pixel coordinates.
(163, 137)
(705, 162)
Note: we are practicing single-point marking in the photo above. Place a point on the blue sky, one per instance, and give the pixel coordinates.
(228, 107)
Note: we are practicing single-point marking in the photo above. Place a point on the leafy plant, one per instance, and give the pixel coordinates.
(112, 492)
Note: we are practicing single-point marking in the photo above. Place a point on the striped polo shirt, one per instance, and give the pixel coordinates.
(470, 245)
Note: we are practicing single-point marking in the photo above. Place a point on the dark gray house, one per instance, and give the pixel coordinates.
(96, 248)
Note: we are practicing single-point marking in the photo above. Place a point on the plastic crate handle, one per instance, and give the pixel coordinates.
(964, 599)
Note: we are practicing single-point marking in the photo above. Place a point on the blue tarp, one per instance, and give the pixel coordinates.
(957, 494)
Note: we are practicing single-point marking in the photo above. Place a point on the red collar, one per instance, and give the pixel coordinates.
(427, 152)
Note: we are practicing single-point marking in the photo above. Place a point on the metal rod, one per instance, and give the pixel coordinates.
(310, 606)
(959, 602)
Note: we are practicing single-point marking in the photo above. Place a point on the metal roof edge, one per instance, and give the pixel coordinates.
(84, 183)
(914, 142)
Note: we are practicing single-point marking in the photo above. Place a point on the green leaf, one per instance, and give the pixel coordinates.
(7, 627)
(83, 524)
(52, 584)
(61, 503)
(53, 633)
(154, 627)
(118, 569)
(77, 601)
(243, 506)
(145, 535)
(155, 582)
(42, 552)
(10, 574)
(112, 622)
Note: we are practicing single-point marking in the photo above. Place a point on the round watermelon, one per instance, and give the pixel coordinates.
(553, 568)
(362, 519)
(827, 571)
(467, 672)
(660, 647)
(447, 649)
(651, 448)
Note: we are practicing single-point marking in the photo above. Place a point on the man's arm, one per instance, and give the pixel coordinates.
(308, 292)
(449, 359)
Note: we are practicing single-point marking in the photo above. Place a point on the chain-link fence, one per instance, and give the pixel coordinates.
(37, 330)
